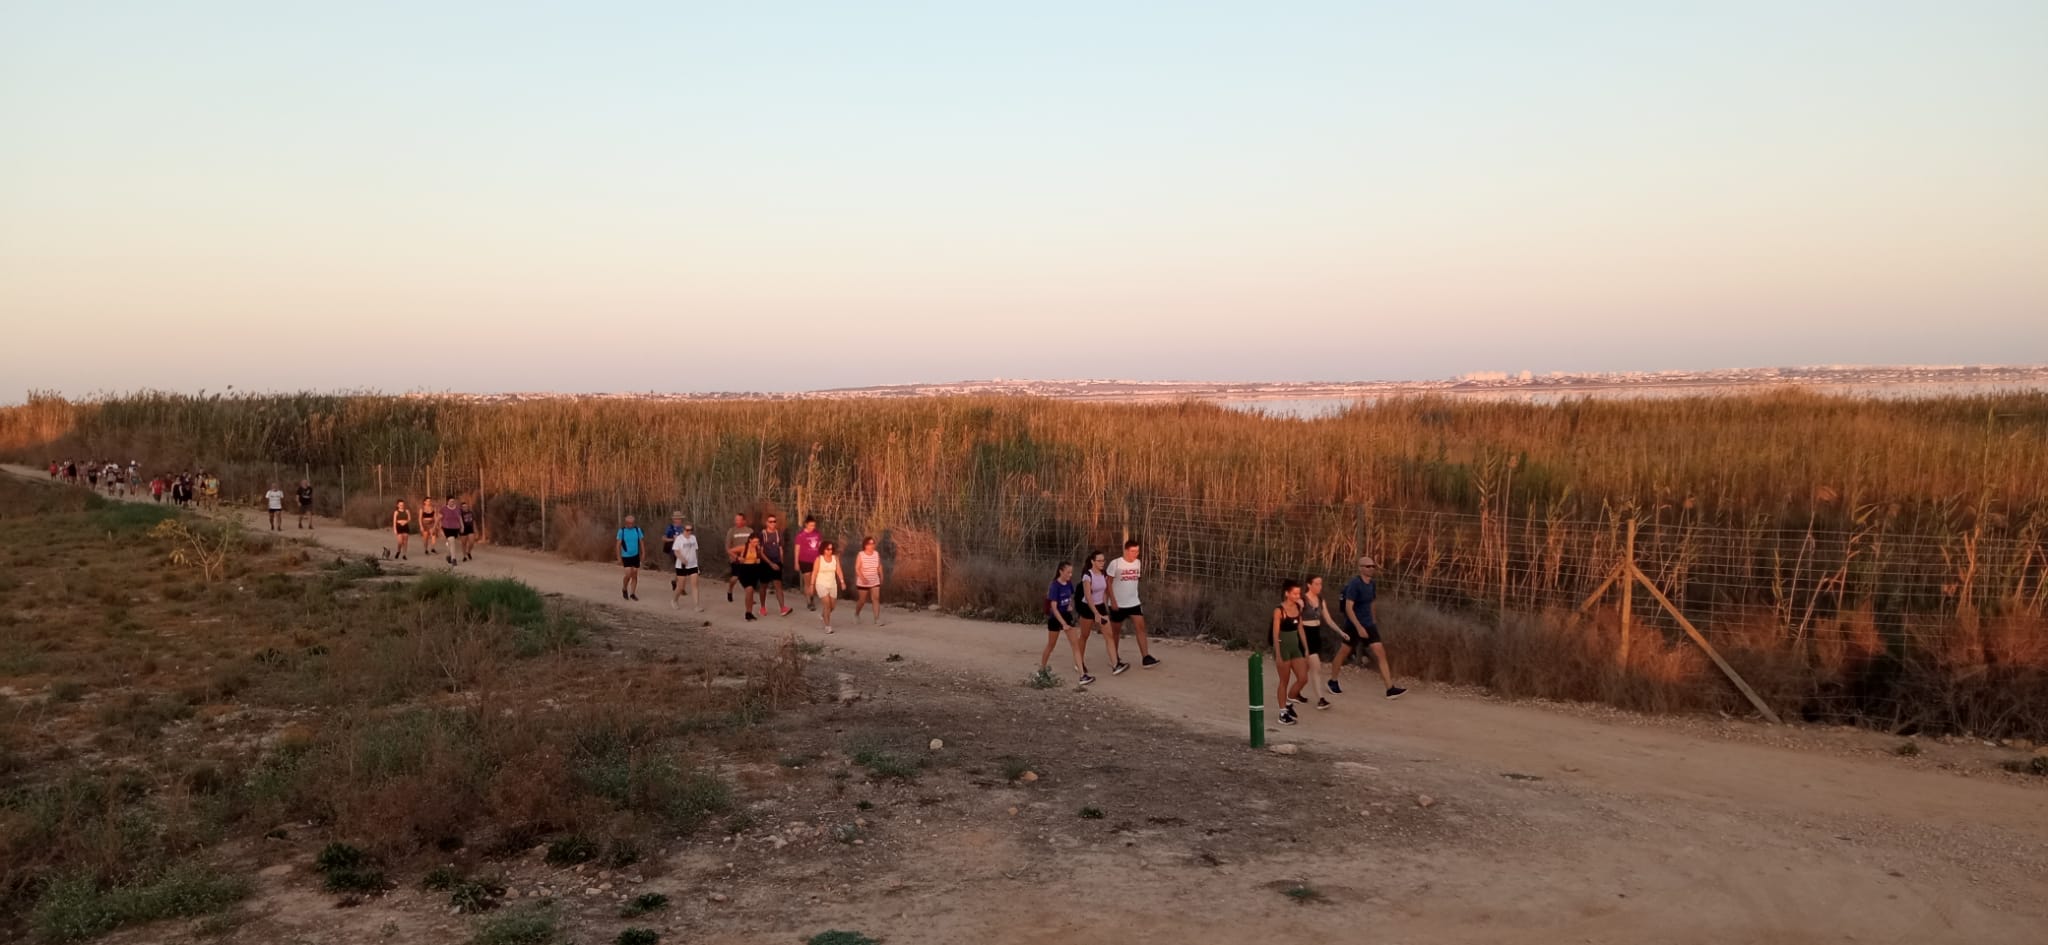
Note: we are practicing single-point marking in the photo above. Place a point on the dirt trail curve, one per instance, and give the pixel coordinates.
(1779, 796)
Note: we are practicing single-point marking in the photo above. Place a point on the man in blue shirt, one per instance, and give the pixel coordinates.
(1359, 594)
(628, 546)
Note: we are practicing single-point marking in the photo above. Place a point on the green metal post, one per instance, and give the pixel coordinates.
(1256, 671)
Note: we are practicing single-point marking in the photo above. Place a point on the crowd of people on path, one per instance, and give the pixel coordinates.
(1099, 602)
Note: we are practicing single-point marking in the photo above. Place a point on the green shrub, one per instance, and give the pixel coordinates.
(78, 907)
(638, 937)
(571, 850)
(526, 925)
(837, 937)
(346, 869)
(643, 904)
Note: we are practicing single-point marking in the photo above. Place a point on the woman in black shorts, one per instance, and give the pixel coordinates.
(468, 531)
(401, 527)
(1060, 620)
(1091, 607)
(430, 533)
(748, 569)
(451, 529)
(1312, 617)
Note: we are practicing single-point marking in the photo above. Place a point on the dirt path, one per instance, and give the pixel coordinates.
(1626, 829)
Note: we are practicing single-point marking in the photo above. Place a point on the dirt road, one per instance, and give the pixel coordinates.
(1612, 828)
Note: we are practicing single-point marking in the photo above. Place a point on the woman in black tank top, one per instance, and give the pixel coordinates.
(1288, 648)
(401, 524)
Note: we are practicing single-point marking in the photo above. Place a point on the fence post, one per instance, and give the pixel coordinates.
(1628, 591)
(1256, 676)
(342, 510)
(938, 569)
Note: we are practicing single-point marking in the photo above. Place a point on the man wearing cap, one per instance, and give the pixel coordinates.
(1358, 597)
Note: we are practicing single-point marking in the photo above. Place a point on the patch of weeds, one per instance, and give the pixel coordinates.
(2037, 765)
(1907, 749)
(1015, 767)
(865, 805)
(471, 897)
(838, 937)
(883, 764)
(739, 822)
(69, 690)
(77, 907)
(893, 658)
(1303, 893)
(846, 833)
(1235, 644)
(637, 937)
(1043, 679)
(795, 761)
(526, 925)
(346, 869)
(1091, 813)
(441, 878)
(620, 854)
(571, 850)
(809, 647)
(643, 904)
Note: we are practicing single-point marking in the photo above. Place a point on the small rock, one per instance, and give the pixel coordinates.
(779, 842)
(1013, 812)
(938, 743)
(1424, 800)
(607, 887)
(1028, 776)
(1286, 748)
(636, 880)
(591, 891)
(717, 897)
(860, 821)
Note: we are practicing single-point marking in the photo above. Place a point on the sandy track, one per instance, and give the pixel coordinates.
(1640, 829)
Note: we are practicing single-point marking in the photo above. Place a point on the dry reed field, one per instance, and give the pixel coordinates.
(1880, 562)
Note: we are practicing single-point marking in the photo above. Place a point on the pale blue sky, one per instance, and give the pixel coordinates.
(631, 196)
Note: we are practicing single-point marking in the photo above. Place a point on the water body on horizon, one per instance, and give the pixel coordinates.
(1313, 407)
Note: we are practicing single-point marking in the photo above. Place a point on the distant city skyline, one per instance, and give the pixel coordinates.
(629, 196)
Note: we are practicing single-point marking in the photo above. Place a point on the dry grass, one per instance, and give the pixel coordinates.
(157, 717)
(1871, 560)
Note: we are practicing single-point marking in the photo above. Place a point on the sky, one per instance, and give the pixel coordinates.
(631, 196)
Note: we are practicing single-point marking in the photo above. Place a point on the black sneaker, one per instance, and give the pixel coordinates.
(728, 595)
(1322, 703)
(623, 595)
(633, 596)
(1335, 690)
(1149, 662)
(750, 616)
(1086, 679)
(1119, 668)
(1293, 701)
(1287, 717)
(1394, 692)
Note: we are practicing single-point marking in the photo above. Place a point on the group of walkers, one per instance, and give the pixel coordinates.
(183, 489)
(757, 562)
(273, 502)
(450, 529)
(1298, 639)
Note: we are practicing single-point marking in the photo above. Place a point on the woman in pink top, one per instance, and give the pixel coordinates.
(867, 580)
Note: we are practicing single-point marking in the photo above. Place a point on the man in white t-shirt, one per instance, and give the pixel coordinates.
(274, 501)
(685, 548)
(1124, 605)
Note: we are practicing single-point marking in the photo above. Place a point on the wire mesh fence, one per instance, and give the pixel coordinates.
(1856, 623)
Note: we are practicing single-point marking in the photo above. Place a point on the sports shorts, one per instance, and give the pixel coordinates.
(631, 562)
(1125, 613)
(684, 572)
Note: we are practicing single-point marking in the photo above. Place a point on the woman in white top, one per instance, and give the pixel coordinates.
(1091, 607)
(867, 580)
(827, 577)
(685, 548)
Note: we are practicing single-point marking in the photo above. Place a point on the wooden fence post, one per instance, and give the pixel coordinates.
(1700, 639)
(1628, 588)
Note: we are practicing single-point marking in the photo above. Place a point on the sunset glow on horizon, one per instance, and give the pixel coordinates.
(642, 196)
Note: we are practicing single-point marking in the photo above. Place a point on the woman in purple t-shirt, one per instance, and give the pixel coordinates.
(1060, 620)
